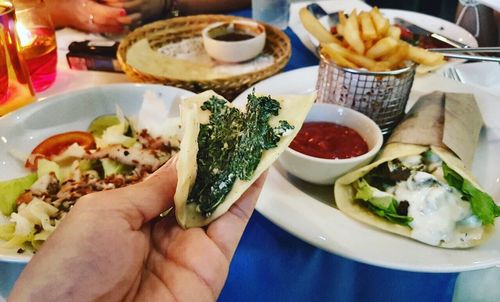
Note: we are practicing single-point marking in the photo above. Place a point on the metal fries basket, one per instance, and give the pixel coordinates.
(380, 95)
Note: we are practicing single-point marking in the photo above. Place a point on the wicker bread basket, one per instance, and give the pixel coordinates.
(173, 30)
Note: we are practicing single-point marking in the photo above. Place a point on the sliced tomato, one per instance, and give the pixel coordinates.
(56, 144)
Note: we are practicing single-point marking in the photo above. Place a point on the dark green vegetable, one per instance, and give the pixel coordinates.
(482, 204)
(382, 177)
(231, 146)
(386, 206)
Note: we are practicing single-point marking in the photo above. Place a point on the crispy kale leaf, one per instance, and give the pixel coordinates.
(482, 204)
(231, 146)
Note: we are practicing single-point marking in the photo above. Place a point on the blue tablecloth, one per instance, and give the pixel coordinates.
(272, 265)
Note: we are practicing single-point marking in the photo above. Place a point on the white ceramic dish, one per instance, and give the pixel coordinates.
(22, 130)
(308, 212)
(235, 51)
(323, 171)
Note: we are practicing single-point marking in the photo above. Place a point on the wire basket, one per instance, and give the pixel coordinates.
(172, 30)
(380, 95)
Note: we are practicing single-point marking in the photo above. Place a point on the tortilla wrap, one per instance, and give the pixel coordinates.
(293, 110)
(344, 191)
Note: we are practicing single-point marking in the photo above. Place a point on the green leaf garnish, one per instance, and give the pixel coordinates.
(383, 206)
(481, 203)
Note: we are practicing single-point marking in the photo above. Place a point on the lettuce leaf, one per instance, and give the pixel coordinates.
(116, 134)
(10, 191)
(481, 203)
(7, 231)
(30, 225)
(380, 203)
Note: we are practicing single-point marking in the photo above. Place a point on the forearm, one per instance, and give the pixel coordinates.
(191, 7)
(59, 16)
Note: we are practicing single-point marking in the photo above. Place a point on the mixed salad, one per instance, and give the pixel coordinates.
(115, 151)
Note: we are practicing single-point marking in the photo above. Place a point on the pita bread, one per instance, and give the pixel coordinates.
(293, 110)
(344, 191)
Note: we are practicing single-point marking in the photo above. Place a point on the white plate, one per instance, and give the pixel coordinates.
(433, 24)
(22, 130)
(306, 210)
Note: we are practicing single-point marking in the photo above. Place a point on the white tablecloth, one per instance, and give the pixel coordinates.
(68, 79)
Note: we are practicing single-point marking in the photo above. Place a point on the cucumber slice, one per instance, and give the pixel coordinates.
(99, 124)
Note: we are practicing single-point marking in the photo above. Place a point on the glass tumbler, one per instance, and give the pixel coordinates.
(274, 12)
(15, 84)
(38, 41)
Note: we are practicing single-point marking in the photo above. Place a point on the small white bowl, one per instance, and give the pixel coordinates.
(234, 51)
(323, 171)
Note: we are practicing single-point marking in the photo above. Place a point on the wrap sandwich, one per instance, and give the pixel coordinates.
(420, 186)
(224, 149)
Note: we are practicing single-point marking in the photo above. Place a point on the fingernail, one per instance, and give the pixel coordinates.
(123, 12)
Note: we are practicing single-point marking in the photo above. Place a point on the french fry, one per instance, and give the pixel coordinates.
(381, 66)
(367, 40)
(396, 59)
(422, 56)
(340, 29)
(382, 47)
(342, 18)
(357, 59)
(369, 44)
(368, 31)
(352, 34)
(394, 32)
(314, 27)
(337, 57)
(381, 23)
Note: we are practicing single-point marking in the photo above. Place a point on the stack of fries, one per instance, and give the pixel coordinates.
(367, 40)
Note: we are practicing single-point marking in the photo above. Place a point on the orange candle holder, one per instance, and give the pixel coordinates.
(38, 41)
(15, 84)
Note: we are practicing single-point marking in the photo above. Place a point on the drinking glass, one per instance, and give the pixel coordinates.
(274, 12)
(15, 84)
(38, 41)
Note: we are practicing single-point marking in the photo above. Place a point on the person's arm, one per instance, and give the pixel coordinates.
(87, 15)
(192, 7)
(157, 9)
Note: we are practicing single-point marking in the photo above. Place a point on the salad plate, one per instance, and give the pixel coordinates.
(24, 129)
(308, 211)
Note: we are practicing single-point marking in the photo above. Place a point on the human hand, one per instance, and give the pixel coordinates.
(89, 16)
(113, 246)
(148, 10)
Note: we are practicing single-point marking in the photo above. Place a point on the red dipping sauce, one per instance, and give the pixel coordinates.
(329, 140)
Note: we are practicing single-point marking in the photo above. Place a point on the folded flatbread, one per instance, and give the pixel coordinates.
(418, 187)
(224, 149)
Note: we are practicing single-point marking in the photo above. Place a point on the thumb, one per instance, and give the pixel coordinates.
(152, 196)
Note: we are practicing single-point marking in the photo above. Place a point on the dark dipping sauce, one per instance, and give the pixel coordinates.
(233, 36)
(329, 140)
